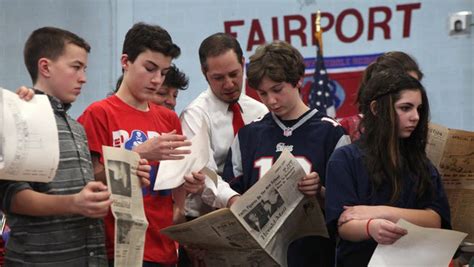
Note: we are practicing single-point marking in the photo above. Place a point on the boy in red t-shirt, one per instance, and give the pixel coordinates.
(127, 120)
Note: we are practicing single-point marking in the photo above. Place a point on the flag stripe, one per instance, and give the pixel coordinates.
(321, 96)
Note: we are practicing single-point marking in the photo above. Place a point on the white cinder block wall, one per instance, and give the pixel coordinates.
(446, 61)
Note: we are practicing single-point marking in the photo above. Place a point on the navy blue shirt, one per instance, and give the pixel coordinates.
(259, 144)
(348, 184)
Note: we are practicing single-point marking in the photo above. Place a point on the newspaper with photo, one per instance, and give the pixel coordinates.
(127, 208)
(452, 152)
(258, 228)
(27, 130)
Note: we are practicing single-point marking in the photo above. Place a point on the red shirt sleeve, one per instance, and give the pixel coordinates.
(94, 120)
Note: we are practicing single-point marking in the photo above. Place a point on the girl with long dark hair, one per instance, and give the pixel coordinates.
(385, 176)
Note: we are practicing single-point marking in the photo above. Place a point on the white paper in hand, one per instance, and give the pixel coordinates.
(420, 247)
(30, 139)
(171, 172)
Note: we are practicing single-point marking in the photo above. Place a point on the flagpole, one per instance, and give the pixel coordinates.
(321, 96)
(318, 34)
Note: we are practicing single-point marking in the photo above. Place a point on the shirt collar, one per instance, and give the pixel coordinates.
(220, 105)
(56, 104)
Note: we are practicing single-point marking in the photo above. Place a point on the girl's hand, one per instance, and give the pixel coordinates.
(384, 231)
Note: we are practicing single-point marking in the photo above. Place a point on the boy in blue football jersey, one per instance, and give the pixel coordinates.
(276, 71)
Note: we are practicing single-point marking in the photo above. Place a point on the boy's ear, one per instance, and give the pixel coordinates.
(43, 67)
(299, 84)
(124, 61)
(373, 107)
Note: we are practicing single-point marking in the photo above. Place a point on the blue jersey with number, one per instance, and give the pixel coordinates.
(312, 141)
(259, 144)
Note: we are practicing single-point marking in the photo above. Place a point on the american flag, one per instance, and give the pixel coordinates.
(320, 95)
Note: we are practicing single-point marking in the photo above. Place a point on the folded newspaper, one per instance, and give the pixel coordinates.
(258, 228)
(452, 152)
(127, 208)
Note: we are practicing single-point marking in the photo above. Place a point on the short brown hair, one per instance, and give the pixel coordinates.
(48, 42)
(279, 61)
(216, 45)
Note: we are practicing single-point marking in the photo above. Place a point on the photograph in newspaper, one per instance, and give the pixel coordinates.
(127, 208)
(130, 241)
(260, 214)
(266, 205)
(28, 129)
(452, 152)
(120, 182)
(275, 209)
(226, 242)
(125, 221)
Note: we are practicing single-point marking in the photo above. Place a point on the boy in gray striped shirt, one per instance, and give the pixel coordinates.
(58, 223)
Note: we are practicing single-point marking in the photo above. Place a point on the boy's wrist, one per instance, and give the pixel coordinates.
(141, 151)
(73, 204)
(232, 200)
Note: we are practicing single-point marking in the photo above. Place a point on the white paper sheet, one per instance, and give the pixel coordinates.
(171, 172)
(30, 139)
(420, 247)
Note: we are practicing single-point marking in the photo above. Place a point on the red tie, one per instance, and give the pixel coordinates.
(237, 121)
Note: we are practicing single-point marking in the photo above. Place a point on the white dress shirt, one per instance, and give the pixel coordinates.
(215, 113)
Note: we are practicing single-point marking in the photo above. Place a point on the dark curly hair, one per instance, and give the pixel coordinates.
(176, 79)
(142, 37)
